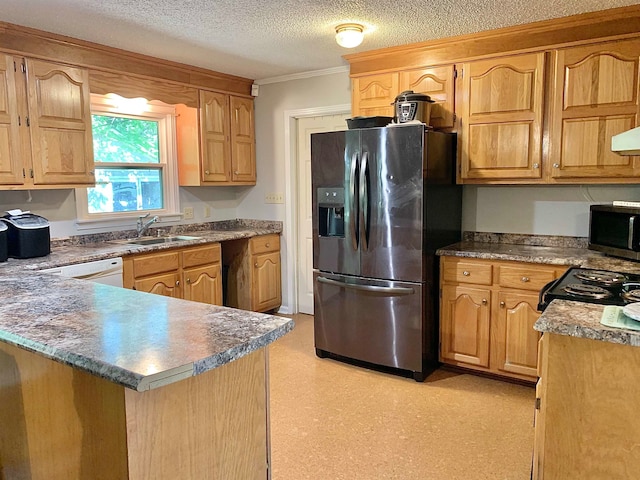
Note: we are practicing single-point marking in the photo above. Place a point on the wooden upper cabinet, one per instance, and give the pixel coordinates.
(60, 123)
(45, 124)
(214, 130)
(438, 83)
(501, 108)
(10, 149)
(374, 95)
(243, 152)
(227, 142)
(595, 96)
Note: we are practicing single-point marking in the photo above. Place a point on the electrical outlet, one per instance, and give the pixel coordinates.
(274, 197)
(207, 211)
(188, 213)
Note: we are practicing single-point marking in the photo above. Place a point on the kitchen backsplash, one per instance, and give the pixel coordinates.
(174, 230)
(522, 239)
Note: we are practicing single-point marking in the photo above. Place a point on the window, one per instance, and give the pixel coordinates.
(135, 161)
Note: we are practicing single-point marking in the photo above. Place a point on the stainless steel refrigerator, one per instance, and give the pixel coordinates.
(384, 199)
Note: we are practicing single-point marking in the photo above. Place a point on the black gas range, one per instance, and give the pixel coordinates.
(592, 286)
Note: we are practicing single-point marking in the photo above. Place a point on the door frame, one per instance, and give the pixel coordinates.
(290, 229)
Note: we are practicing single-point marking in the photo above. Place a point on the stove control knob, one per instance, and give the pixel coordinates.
(525, 279)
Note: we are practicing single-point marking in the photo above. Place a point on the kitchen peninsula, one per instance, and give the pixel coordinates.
(107, 383)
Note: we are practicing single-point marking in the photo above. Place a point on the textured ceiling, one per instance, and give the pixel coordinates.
(263, 39)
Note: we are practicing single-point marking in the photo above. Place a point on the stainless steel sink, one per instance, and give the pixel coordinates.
(159, 240)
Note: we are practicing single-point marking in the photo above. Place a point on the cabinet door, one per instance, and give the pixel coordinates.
(515, 342)
(243, 153)
(266, 284)
(10, 150)
(464, 325)
(60, 124)
(167, 284)
(203, 284)
(501, 105)
(215, 126)
(438, 83)
(595, 96)
(374, 95)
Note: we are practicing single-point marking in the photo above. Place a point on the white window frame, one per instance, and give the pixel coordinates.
(150, 110)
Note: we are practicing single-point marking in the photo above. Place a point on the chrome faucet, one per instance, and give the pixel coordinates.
(144, 226)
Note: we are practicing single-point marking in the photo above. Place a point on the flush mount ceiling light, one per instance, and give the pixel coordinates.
(349, 35)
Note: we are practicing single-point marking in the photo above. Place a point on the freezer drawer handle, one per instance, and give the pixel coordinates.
(369, 288)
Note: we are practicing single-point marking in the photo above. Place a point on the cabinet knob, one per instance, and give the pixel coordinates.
(188, 281)
(525, 279)
(206, 172)
(177, 283)
(484, 301)
(235, 173)
(466, 273)
(556, 165)
(267, 244)
(502, 304)
(255, 264)
(536, 165)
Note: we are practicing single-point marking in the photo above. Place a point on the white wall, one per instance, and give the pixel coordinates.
(545, 210)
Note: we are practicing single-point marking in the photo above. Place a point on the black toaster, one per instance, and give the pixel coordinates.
(27, 235)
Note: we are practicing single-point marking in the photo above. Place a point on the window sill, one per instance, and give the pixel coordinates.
(103, 224)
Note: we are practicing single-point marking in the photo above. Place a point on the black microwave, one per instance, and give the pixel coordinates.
(615, 230)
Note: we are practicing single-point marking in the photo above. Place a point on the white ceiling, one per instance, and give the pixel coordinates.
(264, 39)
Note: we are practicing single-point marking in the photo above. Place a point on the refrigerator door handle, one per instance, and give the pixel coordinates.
(353, 200)
(389, 291)
(364, 201)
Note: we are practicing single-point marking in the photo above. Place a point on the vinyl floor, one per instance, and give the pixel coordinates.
(331, 420)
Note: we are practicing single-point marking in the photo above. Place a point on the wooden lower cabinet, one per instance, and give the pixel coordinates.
(60, 423)
(191, 273)
(254, 280)
(487, 312)
(586, 426)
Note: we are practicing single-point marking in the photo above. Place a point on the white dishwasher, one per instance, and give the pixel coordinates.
(108, 271)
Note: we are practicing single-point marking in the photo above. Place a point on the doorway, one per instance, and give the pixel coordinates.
(305, 126)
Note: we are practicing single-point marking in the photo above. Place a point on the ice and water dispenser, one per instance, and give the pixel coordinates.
(331, 212)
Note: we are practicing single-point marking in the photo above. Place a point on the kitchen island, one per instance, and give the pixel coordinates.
(101, 382)
(587, 426)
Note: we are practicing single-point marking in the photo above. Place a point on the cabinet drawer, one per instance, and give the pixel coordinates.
(264, 243)
(467, 272)
(524, 277)
(192, 257)
(156, 263)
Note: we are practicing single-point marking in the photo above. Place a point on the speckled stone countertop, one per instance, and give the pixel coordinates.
(582, 320)
(135, 339)
(577, 319)
(551, 250)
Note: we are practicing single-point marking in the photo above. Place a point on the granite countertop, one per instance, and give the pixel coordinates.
(87, 248)
(135, 339)
(577, 319)
(582, 320)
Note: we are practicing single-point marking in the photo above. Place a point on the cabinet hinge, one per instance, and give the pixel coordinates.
(27, 120)
(455, 117)
(23, 67)
(19, 121)
(538, 403)
(24, 173)
(31, 172)
(15, 67)
(458, 73)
